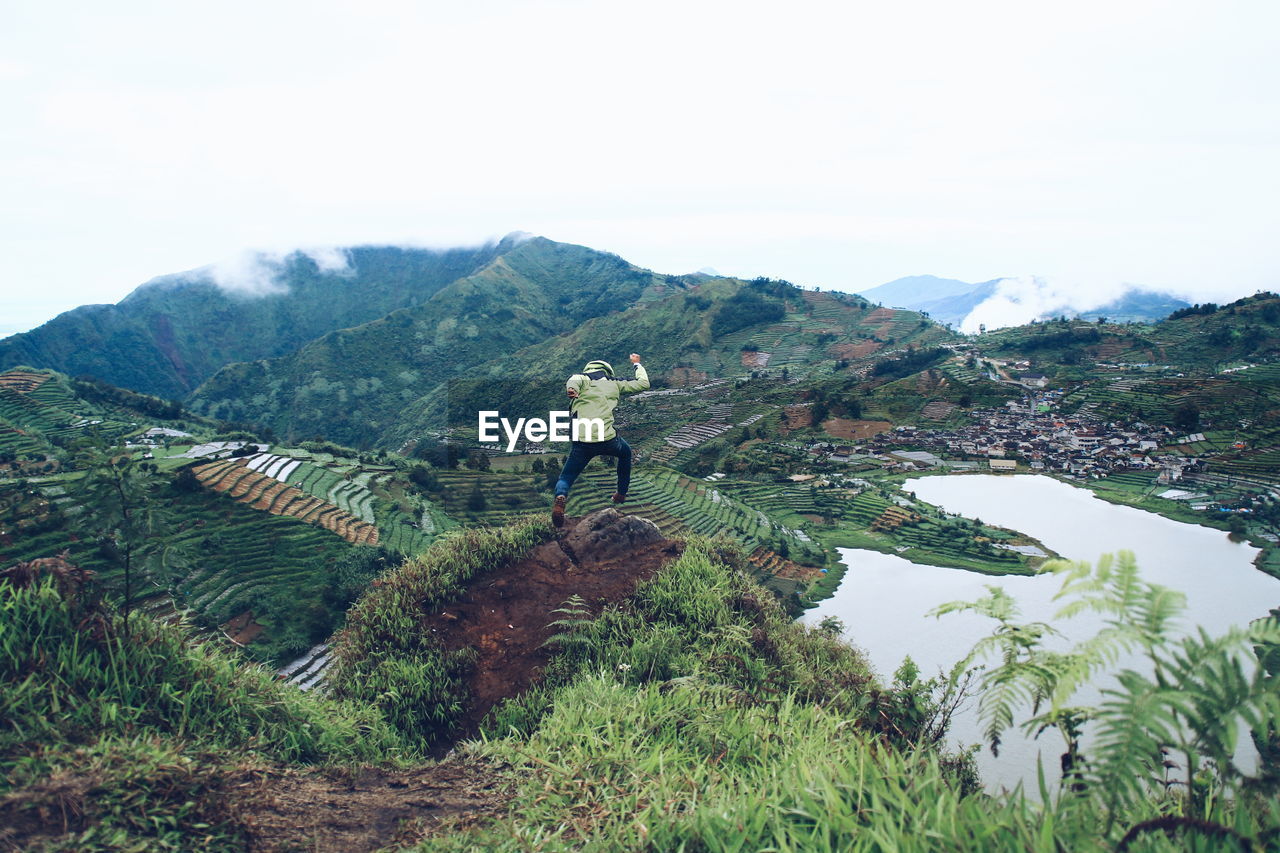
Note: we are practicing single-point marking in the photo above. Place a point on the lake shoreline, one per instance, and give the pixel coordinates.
(884, 598)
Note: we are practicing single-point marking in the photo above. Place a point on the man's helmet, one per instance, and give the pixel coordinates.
(593, 366)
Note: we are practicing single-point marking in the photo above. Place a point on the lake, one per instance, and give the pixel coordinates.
(883, 599)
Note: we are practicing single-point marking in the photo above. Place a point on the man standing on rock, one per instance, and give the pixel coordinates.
(594, 394)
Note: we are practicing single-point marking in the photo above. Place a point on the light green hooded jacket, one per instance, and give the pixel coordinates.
(598, 394)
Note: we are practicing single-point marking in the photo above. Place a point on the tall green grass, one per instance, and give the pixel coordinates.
(144, 740)
(385, 659)
(63, 684)
(691, 720)
(698, 716)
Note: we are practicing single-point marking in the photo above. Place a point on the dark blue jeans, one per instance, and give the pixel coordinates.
(582, 452)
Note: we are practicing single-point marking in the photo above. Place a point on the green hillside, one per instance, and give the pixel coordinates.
(720, 329)
(352, 385)
(1205, 338)
(682, 711)
(171, 334)
(279, 541)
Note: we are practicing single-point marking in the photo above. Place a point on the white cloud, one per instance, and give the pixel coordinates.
(249, 273)
(1025, 298)
(258, 273)
(330, 259)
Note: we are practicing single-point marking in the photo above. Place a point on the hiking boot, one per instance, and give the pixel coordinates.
(557, 511)
(619, 497)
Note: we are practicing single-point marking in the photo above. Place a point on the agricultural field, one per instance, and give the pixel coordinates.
(224, 557)
(490, 497)
(883, 518)
(678, 503)
(235, 478)
(41, 415)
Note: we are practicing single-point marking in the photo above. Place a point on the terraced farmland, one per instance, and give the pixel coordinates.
(36, 407)
(230, 556)
(345, 490)
(688, 437)
(308, 670)
(236, 479)
(506, 495)
(19, 443)
(1262, 465)
(676, 504)
(23, 381)
(786, 502)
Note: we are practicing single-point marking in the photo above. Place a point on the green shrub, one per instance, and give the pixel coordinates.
(384, 658)
(69, 676)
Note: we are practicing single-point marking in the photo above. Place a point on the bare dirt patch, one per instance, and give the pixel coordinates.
(861, 349)
(23, 381)
(755, 359)
(277, 809)
(930, 381)
(683, 376)
(937, 410)
(880, 315)
(367, 809)
(854, 430)
(505, 615)
(775, 564)
(798, 417)
(242, 628)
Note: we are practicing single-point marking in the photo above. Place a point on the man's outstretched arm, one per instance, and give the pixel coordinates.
(640, 383)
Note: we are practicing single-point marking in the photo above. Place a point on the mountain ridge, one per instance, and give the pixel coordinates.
(951, 301)
(173, 332)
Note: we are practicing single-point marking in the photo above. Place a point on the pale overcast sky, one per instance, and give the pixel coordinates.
(833, 144)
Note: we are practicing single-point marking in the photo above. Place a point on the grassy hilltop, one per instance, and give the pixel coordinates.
(688, 712)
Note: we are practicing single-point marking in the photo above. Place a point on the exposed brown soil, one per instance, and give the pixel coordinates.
(22, 381)
(775, 564)
(242, 628)
(880, 315)
(930, 381)
(256, 489)
(854, 430)
(798, 417)
(755, 359)
(505, 615)
(861, 349)
(369, 809)
(332, 810)
(681, 376)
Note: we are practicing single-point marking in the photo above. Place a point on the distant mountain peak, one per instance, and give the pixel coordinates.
(1004, 302)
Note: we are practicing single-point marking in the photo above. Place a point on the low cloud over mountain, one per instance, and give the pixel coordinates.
(1013, 301)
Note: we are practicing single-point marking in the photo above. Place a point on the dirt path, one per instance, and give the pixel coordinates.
(370, 809)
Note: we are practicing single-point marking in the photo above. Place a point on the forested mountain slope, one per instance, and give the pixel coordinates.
(352, 384)
(172, 333)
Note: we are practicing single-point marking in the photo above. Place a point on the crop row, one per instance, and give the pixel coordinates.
(1259, 464)
(227, 554)
(13, 440)
(271, 495)
(23, 381)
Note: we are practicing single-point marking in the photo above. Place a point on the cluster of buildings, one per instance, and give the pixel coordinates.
(1030, 431)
